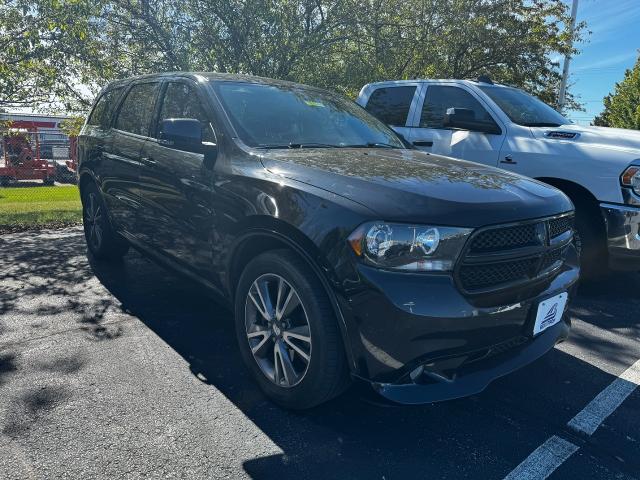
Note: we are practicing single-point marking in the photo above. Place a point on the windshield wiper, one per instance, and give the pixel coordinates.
(541, 124)
(297, 145)
(372, 145)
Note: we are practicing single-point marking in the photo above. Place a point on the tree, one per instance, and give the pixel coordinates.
(37, 38)
(337, 44)
(622, 108)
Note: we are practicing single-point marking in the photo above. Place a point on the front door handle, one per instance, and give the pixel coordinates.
(148, 160)
(508, 160)
(423, 143)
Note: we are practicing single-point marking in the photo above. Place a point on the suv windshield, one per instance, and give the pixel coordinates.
(283, 116)
(523, 108)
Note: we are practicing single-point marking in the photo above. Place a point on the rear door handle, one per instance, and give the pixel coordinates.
(148, 160)
(423, 143)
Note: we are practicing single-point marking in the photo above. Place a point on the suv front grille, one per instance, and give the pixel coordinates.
(500, 239)
(560, 225)
(504, 256)
(489, 275)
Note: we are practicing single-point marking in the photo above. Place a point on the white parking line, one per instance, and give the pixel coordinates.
(543, 460)
(591, 416)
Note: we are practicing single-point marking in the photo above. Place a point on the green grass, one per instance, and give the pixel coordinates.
(40, 206)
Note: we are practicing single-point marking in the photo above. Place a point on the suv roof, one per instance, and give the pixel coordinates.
(202, 75)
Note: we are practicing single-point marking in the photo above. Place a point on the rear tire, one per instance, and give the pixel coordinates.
(103, 242)
(301, 336)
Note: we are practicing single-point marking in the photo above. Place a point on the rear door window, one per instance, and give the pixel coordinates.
(101, 114)
(391, 104)
(439, 98)
(182, 101)
(137, 110)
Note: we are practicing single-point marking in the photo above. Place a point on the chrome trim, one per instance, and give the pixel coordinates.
(629, 197)
(623, 226)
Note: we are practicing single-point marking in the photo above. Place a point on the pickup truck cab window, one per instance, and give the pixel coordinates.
(391, 104)
(136, 111)
(440, 98)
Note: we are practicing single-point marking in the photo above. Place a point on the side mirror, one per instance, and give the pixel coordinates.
(465, 119)
(182, 134)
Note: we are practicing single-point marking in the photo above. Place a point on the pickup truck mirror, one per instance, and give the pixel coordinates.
(465, 119)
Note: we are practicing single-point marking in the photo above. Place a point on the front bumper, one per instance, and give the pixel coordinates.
(407, 323)
(477, 376)
(623, 235)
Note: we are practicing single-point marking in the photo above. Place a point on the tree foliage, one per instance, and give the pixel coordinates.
(72, 47)
(622, 108)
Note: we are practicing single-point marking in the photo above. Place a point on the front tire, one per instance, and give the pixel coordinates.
(287, 331)
(591, 244)
(103, 242)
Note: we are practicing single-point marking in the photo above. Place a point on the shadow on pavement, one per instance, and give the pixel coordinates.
(483, 436)
(352, 435)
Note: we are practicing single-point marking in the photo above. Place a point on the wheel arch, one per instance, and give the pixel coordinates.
(578, 194)
(84, 178)
(277, 235)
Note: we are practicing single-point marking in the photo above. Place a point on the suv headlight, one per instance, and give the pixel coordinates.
(408, 247)
(631, 178)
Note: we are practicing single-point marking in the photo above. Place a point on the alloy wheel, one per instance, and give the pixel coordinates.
(278, 331)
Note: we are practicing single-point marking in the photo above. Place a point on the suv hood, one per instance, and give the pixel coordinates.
(619, 139)
(411, 186)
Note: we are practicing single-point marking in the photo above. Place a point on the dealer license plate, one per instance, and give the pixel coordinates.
(549, 312)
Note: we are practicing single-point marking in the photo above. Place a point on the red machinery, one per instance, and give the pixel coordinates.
(21, 159)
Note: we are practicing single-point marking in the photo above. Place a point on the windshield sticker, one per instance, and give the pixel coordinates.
(311, 103)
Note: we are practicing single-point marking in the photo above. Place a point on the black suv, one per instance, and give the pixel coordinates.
(344, 254)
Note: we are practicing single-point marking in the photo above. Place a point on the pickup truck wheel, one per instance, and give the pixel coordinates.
(591, 245)
(287, 331)
(103, 242)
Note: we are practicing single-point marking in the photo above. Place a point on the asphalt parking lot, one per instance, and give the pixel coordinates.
(126, 371)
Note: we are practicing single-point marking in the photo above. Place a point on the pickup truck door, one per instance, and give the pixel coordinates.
(429, 134)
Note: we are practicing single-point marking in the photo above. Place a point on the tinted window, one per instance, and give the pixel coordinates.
(523, 108)
(101, 114)
(391, 104)
(292, 116)
(182, 101)
(440, 98)
(137, 110)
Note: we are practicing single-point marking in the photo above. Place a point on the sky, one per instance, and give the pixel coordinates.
(608, 51)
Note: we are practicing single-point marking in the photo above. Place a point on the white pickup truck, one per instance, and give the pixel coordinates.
(598, 168)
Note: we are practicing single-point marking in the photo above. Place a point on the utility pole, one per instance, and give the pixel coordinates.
(567, 58)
